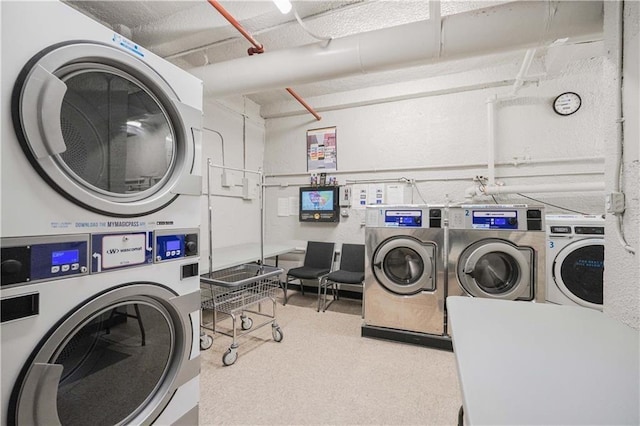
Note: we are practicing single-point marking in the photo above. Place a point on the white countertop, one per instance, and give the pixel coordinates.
(226, 257)
(530, 363)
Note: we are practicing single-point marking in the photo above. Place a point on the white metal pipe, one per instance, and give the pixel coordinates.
(524, 70)
(505, 27)
(540, 188)
(619, 122)
(491, 139)
(460, 166)
(491, 113)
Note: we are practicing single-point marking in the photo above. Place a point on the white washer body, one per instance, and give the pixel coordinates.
(497, 252)
(56, 63)
(404, 285)
(79, 242)
(106, 338)
(575, 260)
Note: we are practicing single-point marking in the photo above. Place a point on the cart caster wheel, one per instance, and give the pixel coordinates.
(247, 323)
(230, 357)
(277, 334)
(205, 342)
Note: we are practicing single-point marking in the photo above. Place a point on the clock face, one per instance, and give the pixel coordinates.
(567, 103)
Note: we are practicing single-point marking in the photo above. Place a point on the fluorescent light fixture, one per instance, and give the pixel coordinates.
(283, 5)
(134, 123)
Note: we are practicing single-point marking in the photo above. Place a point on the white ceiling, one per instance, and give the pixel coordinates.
(192, 33)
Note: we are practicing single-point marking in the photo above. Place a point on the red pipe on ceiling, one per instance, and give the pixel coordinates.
(257, 49)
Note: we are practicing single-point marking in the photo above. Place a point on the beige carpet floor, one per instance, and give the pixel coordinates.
(324, 373)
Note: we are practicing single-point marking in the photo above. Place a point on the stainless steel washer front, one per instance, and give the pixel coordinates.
(404, 265)
(497, 269)
(405, 279)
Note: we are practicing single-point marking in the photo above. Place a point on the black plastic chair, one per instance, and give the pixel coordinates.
(318, 262)
(351, 271)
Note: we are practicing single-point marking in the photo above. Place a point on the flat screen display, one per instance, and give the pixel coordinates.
(319, 204)
(321, 200)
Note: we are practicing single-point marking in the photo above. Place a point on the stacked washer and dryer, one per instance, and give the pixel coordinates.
(416, 256)
(100, 225)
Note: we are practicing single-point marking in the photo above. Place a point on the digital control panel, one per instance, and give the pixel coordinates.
(35, 259)
(175, 244)
(403, 218)
(496, 219)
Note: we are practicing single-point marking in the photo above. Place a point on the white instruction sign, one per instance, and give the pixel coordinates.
(121, 250)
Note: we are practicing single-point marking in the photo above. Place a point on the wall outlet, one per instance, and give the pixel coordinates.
(614, 202)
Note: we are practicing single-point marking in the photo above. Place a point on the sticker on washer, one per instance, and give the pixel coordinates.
(127, 44)
(111, 251)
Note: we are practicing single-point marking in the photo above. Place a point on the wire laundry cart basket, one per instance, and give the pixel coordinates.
(236, 292)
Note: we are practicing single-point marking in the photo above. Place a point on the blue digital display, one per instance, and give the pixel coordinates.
(409, 218)
(495, 219)
(64, 257)
(173, 245)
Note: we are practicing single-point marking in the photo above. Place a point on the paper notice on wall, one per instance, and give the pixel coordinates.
(359, 196)
(294, 205)
(395, 194)
(376, 193)
(364, 195)
(283, 206)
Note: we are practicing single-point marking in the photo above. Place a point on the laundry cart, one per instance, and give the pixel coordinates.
(236, 292)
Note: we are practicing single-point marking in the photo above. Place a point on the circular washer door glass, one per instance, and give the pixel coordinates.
(582, 273)
(113, 364)
(496, 273)
(403, 266)
(119, 138)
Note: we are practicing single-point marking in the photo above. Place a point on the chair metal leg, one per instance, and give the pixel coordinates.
(319, 289)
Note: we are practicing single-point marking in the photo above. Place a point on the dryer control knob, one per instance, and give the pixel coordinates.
(513, 221)
(191, 246)
(11, 266)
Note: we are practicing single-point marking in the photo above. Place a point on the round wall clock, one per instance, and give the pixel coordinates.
(567, 103)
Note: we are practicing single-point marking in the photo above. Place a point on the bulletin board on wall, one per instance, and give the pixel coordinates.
(322, 154)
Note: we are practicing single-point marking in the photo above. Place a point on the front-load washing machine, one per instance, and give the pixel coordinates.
(404, 288)
(575, 260)
(100, 329)
(497, 252)
(105, 134)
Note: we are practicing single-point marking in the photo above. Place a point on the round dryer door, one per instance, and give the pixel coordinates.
(578, 272)
(113, 361)
(104, 129)
(404, 265)
(496, 269)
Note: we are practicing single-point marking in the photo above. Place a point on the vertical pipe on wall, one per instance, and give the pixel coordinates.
(618, 178)
(491, 114)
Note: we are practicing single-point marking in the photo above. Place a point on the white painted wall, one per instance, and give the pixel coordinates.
(434, 132)
(622, 269)
(440, 142)
(234, 219)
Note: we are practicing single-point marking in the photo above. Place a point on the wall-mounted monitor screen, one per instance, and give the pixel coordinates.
(319, 204)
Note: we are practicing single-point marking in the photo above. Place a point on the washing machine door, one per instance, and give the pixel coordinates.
(578, 272)
(496, 269)
(105, 130)
(404, 265)
(116, 360)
